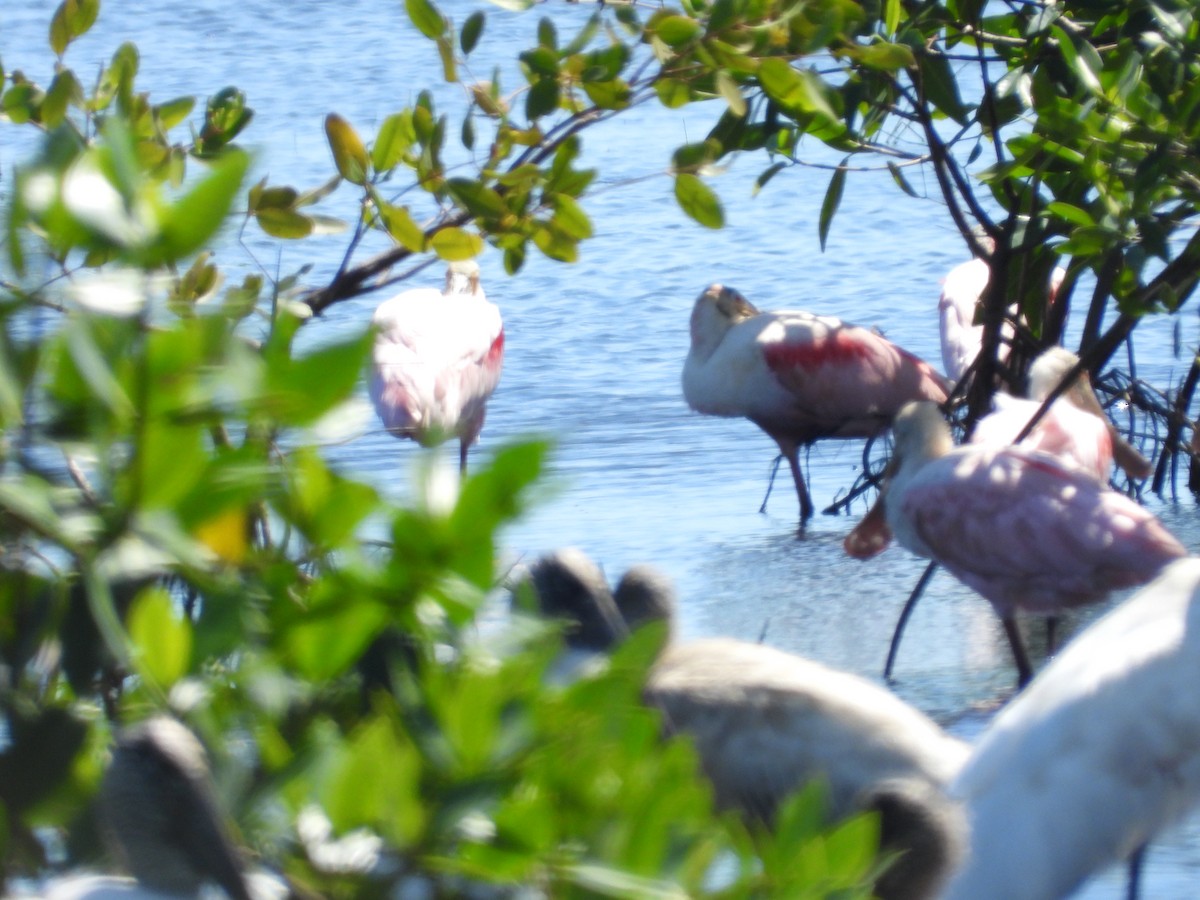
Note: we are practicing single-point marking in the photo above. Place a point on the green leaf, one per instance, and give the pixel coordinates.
(396, 136)
(400, 225)
(891, 18)
(284, 223)
(729, 90)
(195, 217)
(675, 31)
(453, 244)
(542, 98)
(478, 199)
(1069, 213)
(698, 201)
(570, 217)
(349, 153)
(887, 57)
(161, 637)
(833, 198)
(72, 19)
(471, 30)
(426, 17)
(174, 111)
(940, 88)
(901, 181)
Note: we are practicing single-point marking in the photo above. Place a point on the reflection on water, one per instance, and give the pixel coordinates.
(595, 350)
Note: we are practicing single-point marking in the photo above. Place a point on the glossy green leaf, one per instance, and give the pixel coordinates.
(349, 152)
(833, 199)
(161, 637)
(426, 17)
(698, 201)
(471, 31)
(453, 243)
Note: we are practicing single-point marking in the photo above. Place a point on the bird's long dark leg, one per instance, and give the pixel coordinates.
(462, 457)
(1051, 634)
(1133, 887)
(1020, 657)
(771, 482)
(909, 605)
(806, 504)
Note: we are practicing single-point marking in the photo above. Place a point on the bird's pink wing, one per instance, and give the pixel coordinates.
(1028, 532)
(848, 379)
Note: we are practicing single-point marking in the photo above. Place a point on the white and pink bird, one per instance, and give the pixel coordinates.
(1019, 526)
(1074, 427)
(799, 377)
(962, 338)
(437, 360)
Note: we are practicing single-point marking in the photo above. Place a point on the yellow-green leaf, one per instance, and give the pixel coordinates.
(698, 201)
(400, 225)
(161, 637)
(349, 152)
(426, 17)
(453, 244)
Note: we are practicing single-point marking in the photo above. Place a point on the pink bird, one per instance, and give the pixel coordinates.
(962, 289)
(1018, 526)
(1074, 428)
(798, 376)
(437, 360)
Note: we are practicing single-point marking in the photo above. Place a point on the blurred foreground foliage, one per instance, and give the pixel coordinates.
(171, 536)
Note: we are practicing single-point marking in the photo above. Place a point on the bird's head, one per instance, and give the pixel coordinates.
(462, 277)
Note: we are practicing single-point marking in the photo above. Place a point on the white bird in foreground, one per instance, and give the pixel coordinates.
(765, 722)
(1097, 756)
(437, 360)
(1018, 526)
(798, 376)
(159, 808)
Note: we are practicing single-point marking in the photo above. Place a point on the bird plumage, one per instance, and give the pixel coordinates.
(1096, 757)
(765, 723)
(1018, 526)
(799, 377)
(436, 360)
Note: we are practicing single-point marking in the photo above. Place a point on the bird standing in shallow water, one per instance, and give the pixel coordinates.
(1018, 526)
(437, 360)
(798, 376)
(1096, 757)
(765, 722)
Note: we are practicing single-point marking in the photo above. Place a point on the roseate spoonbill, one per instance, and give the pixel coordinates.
(1095, 757)
(1018, 526)
(798, 376)
(962, 289)
(1074, 427)
(765, 722)
(437, 360)
(159, 808)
